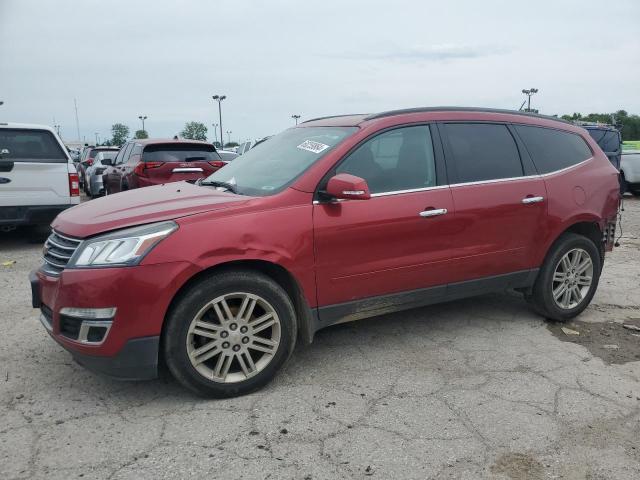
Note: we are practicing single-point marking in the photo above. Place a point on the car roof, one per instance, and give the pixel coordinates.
(30, 126)
(353, 120)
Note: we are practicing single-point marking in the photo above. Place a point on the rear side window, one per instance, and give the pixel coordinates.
(482, 151)
(553, 150)
(26, 145)
(179, 153)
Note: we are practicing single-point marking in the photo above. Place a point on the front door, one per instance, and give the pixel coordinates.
(397, 241)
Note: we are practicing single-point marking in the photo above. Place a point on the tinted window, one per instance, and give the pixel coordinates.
(400, 159)
(553, 150)
(179, 152)
(482, 152)
(30, 146)
(607, 140)
(271, 166)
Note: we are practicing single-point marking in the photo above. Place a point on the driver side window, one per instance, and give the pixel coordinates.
(399, 159)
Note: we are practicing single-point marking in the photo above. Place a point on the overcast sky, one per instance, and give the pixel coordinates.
(275, 58)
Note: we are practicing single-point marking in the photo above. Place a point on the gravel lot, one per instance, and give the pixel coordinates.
(481, 388)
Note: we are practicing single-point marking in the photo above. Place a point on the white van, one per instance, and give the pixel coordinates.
(37, 177)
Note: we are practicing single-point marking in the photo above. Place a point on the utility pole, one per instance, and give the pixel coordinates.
(143, 118)
(57, 127)
(295, 117)
(75, 104)
(97, 139)
(529, 93)
(219, 99)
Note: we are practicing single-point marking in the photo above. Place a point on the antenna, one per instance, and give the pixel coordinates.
(75, 104)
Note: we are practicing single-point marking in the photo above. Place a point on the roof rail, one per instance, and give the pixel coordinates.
(333, 116)
(391, 113)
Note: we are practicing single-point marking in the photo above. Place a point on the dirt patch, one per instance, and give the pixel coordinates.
(518, 466)
(610, 341)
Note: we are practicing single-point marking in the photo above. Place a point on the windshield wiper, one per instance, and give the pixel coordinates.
(217, 183)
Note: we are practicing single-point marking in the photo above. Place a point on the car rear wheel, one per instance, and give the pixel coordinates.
(229, 334)
(568, 278)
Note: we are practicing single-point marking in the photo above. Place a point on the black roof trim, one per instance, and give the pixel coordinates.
(391, 113)
(333, 116)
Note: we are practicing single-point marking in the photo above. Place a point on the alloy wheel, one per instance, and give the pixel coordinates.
(572, 278)
(233, 337)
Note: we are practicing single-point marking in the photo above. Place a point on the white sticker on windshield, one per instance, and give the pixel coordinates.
(313, 147)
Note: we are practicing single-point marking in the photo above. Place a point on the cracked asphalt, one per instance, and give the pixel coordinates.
(479, 388)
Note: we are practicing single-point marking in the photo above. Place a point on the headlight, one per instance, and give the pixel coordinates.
(123, 247)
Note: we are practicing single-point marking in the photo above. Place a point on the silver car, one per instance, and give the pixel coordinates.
(93, 173)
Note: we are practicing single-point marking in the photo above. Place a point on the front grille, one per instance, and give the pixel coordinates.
(58, 249)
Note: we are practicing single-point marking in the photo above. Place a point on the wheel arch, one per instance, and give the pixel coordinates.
(586, 227)
(304, 314)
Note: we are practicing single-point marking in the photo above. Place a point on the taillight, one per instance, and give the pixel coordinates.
(74, 185)
(217, 164)
(142, 166)
(89, 162)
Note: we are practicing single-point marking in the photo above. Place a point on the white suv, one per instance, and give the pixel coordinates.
(630, 172)
(37, 177)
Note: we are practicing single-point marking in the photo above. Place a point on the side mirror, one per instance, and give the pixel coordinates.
(346, 186)
(106, 161)
(4, 151)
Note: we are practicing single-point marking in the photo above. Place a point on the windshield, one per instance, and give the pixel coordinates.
(271, 166)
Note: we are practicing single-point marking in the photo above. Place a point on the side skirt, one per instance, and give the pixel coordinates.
(374, 306)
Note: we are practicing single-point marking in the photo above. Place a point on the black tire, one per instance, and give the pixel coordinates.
(542, 296)
(194, 299)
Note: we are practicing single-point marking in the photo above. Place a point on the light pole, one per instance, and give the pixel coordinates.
(219, 99)
(97, 139)
(229, 132)
(1, 103)
(529, 93)
(56, 126)
(142, 119)
(295, 117)
(215, 133)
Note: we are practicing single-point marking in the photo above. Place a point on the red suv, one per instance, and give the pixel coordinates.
(337, 219)
(142, 163)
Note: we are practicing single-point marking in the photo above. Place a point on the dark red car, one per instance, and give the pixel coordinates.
(142, 163)
(86, 159)
(337, 219)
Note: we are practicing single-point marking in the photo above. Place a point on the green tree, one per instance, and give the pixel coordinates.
(194, 131)
(141, 134)
(120, 134)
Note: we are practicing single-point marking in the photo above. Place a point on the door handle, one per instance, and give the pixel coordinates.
(527, 200)
(434, 212)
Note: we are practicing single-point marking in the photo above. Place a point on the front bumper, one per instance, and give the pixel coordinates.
(141, 296)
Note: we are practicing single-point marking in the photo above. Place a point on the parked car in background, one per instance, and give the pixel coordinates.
(630, 171)
(37, 177)
(608, 139)
(94, 172)
(336, 219)
(227, 156)
(244, 147)
(86, 160)
(142, 163)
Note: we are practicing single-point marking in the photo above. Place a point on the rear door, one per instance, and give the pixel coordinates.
(500, 200)
(34, 168)
(175, 162)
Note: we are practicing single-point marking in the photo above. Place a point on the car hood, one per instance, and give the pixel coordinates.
(142, 205)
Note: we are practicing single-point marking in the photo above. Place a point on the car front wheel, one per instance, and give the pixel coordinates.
(568, 278)
(229, 334)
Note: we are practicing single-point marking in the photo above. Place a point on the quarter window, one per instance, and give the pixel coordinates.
(553, 150)
(400, 159)
(482, 151)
